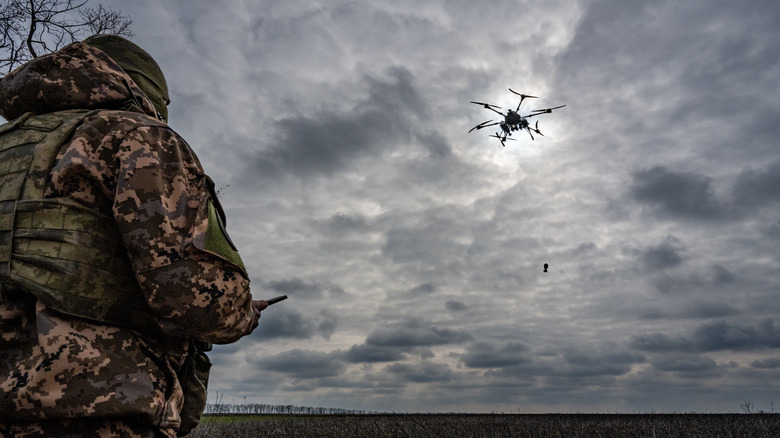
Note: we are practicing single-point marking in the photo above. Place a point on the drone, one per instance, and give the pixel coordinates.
(513, 121)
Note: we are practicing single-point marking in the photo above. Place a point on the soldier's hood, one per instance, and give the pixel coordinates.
(76, 76)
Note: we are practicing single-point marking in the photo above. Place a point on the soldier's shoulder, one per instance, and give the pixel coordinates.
(127, 120)
(116, 125)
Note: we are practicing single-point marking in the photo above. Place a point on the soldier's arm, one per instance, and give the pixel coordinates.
(166, 213)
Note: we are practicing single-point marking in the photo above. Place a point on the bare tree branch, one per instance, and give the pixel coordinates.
(29, 28)
(102, 20)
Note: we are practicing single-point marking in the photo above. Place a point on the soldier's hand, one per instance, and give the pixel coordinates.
(257, 306)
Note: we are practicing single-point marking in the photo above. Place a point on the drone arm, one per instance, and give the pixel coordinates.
(488, 106)
(522, 98)
(484, 124)
(545, 111)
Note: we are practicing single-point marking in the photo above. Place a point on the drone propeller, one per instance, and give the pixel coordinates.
(522, 98)
(489, 106)
(537, 129)
(501, 139)
(484, 125)
(486, 105)
(544, 111)
(534, 129)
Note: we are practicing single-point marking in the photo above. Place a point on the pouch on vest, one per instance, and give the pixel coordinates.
(193, 378)
(217, 241)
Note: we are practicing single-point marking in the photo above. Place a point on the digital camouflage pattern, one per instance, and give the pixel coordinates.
(76, 374)
(48, 244)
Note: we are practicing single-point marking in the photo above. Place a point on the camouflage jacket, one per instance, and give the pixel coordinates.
(123, 162)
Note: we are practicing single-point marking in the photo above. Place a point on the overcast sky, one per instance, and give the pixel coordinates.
(412, 251)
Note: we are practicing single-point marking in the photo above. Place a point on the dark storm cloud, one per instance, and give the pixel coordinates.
(303, 364)
(299, 288)
(423, 289)
(422, 372)
(722, 276)
(768, 363)
(326, 141)
(714, 336)
(600, 360)
(708, 310)
(603, 369)
(686, 364)
(342, 223)
(372, 353)
(455, 306)
(327, 323)
(691, 196)
(722, 335)
(698, 308)
(606, 354)
(436, 145)
(659, 342)
(287, 323)
(678, 194)
(667, 284)
(715, 279)
(291, 323)
(668, 254)
(296, 285)
(426, 241)
(688, 52)
(718, 78)
(488, 355)
(774, 230)
(518, 361)
(758, 188)
(415, 333)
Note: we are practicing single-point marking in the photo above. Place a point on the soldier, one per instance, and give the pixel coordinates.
(115, 268)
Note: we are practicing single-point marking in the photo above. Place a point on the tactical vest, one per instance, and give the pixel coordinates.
(68, 256)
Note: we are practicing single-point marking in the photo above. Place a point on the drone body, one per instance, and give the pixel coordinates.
(513, 121)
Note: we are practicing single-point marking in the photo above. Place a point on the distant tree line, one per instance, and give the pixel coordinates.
(259, 408)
